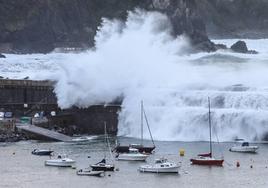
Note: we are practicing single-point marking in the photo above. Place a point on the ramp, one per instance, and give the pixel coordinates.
(44, 132)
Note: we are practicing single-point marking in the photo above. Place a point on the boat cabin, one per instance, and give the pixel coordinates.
(161, 160)
(245, 144)
(133, 150)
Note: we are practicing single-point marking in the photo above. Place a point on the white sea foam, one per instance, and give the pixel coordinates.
(140, 60)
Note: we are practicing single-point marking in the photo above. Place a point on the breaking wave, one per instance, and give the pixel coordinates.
(140, 60)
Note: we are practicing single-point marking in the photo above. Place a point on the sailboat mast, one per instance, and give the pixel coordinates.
(209, 120)
(141, 122)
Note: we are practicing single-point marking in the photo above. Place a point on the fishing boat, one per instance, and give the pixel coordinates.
(103, 165)
(88, 172)
(42, 152)
(132, 155)
(244, 148)
(161, 165)
(207, 158)
(60, 161)
(141, 148)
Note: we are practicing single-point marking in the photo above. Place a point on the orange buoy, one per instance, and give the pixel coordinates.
(237, 164)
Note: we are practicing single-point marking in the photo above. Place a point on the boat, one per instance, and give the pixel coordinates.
(42, 152)
(103, 165)
(161, 165)
(60, 161)
(88, 172)
(142, 149)
(83, 138)
(207, 158)
(244, 148)
(132, 155)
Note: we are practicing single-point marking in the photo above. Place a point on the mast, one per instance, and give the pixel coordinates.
(107, 140)
(141, 122)
(209, 121)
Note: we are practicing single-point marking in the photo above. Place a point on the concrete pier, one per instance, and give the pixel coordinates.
(44, 132)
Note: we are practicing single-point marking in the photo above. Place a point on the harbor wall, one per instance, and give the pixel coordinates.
(27, 97)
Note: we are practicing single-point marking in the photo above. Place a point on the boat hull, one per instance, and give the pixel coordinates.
(102, 168)
(207, 162)
(127, 157)
(142, 149)
(59, 163)
(82, 172)
(159, 170)
(42, 153)
(244, 149)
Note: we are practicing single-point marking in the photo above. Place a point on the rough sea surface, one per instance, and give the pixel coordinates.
(19, 168)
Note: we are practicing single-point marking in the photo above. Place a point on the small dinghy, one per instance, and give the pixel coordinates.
(61, 161)
(87, 172)
(244, 148)
(41, 152)
(132, 155)
(160, 166)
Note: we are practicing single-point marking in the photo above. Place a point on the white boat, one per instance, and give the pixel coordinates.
(244, 147)
(88, 172)
(160, 166)
(83, 138)
(133, 155)
(60, 162)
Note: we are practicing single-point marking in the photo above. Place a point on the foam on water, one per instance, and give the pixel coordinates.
(140, 60)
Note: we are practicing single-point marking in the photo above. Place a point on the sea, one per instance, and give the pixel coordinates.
(19, 168)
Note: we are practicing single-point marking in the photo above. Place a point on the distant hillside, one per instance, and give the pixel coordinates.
(41, 25)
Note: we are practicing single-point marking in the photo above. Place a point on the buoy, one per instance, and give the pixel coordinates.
(251, 166)
(13, 153)
(182, 151)
(237, 164)
(117, 169)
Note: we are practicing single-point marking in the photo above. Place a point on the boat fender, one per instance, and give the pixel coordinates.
(237, 164)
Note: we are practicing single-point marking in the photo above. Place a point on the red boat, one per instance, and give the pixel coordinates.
(206, 158)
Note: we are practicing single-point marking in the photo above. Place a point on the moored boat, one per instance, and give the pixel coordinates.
(42, 152)
(207, 158)
(60, 162)
(102, 166)
(87, 172)
(141, 148)
(161, 165)
(244, 148)
(132, 155)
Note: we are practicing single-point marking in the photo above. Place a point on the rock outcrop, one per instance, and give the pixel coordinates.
(241, 47)
(235, 18)
(41, 25)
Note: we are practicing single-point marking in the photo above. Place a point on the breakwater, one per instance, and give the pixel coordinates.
(28, 97)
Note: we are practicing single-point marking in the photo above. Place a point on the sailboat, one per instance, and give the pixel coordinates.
(207, 158)
(141, 148)
(102, 165)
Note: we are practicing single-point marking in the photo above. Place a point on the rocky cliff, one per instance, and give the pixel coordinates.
(235, 18)
(41, 25)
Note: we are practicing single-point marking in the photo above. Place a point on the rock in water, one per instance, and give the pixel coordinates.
(241, 47)
(2, 56)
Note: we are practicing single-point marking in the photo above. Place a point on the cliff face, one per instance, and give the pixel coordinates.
(235, 18)
(41, 25)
